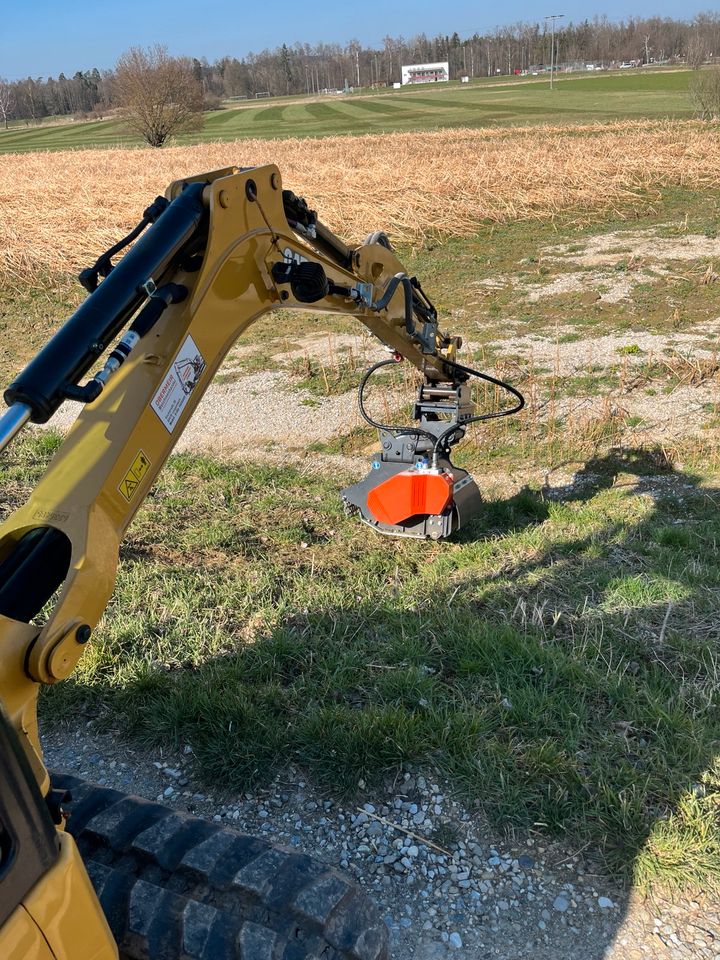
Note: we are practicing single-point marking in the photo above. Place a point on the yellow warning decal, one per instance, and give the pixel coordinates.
(131, 480)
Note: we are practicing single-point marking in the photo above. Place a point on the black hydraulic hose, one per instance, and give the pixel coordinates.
(121, 244)
(103, 265)
(378, 305)
(418, 431)
(493, 415)
(86, 335)
(338, 250)
(412, 431)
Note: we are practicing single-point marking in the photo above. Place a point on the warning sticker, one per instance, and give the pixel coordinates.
(180, 381)
(131, 481)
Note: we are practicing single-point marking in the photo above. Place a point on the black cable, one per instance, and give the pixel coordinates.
(418, 431)
(413, 431)
(126, 241)
(393, 284)
(103, 265)
(494, 415)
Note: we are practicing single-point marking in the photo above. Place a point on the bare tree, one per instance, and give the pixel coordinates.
(705, 93)
(696, 51)
(159, 95)
(648, 48)
(7, 100)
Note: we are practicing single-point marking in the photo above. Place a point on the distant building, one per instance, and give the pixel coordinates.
(426, 73)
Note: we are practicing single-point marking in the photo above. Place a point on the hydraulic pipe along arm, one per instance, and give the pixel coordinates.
(69, 355)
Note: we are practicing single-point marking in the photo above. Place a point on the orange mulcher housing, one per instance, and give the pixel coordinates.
(411, 493)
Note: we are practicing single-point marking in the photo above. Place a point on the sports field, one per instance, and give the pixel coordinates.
(575, 99)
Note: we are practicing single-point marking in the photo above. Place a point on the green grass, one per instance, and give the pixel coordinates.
(535, 660)
(576, 99)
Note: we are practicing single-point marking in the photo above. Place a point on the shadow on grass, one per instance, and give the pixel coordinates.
(558, 663)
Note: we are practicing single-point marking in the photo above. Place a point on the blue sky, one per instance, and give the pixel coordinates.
(49, 36)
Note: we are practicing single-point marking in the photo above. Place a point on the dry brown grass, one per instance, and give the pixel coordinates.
(59, 210)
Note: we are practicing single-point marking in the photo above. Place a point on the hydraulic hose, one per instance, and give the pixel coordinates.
(437, 442)
(388, 428)
(399, 278)
(493, 415)
(86, 335)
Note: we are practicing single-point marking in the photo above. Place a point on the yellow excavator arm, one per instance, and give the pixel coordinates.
(220, 250)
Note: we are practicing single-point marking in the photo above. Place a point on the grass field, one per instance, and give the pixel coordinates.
(450, 183)
(576, 99)
(557, 661)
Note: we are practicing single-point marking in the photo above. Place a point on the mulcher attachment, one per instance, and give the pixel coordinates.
(413, 490)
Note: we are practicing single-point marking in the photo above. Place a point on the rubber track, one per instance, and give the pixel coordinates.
(175, 887)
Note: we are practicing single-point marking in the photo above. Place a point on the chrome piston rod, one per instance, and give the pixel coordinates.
(12, 422)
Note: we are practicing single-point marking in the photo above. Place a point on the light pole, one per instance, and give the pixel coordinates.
(552, 18)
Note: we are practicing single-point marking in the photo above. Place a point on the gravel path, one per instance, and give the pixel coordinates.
(266, 413)
(446, 885)
(607, 249)
(632, 349)
(260, 410)
(257, 410)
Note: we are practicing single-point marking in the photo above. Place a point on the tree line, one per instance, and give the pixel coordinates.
(305, 68)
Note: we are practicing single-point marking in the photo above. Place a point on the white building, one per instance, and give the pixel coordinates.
(426, 73)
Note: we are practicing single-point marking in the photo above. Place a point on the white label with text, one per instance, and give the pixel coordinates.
(180, 381)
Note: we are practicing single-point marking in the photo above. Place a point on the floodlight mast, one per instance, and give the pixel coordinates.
(552, 18)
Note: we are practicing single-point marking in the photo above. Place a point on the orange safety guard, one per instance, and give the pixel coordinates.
(408, 494)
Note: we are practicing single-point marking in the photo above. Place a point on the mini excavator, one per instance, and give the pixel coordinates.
(209, 258)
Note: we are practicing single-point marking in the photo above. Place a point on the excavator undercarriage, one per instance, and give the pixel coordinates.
(209, 258)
